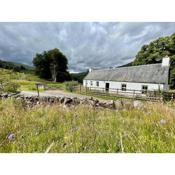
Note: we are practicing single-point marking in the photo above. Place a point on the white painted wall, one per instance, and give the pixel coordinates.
(129, 85)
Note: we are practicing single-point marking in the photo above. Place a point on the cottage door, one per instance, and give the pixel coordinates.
(107, 87)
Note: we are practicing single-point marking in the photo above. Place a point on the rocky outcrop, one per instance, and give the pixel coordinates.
(31, 101)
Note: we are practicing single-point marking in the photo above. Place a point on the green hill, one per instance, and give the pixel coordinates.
(79, 76)
(18, 67)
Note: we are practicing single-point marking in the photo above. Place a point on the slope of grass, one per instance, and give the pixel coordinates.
(82, 129)
(27, 81)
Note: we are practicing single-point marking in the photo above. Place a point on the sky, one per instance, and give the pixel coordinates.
(85, 44)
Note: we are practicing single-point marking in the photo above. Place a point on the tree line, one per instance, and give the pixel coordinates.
(155, 51)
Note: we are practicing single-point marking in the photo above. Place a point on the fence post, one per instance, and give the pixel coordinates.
(80, 88)
(172, 96)
(133, 93)
(37, 89)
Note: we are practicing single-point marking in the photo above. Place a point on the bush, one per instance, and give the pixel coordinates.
(70, 84)
(11, 87)
(8, 86)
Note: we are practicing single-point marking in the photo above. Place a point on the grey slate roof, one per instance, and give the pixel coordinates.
(150, 73)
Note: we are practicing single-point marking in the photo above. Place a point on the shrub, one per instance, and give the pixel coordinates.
(8, 86)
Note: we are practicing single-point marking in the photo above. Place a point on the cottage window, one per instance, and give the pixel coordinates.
(144, 89)
(91, 83)
(97, 83)
(123, 87)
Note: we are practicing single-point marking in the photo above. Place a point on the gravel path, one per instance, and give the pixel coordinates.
(53, 93)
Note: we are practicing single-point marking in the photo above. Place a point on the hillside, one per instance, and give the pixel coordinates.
(127, 65)
(79, 76)
(26, 81)
(15, 66)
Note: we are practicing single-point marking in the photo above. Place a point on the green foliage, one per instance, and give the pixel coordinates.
(6, 85)
(70, 84)
(84, 129)
(52, 65)
(41, 63)
(63, 76)
(10, 86)
(6, 81)
(155, 51)
(79, 76)
(14, 66)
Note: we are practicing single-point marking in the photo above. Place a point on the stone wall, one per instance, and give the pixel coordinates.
(31, 101)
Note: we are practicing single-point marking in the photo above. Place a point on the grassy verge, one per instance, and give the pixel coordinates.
(83, 129)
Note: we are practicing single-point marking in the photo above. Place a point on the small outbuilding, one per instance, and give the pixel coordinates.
(150, 77)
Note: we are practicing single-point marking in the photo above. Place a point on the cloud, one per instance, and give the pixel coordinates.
(84, 44)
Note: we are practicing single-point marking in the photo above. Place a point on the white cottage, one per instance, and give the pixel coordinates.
(151, 77)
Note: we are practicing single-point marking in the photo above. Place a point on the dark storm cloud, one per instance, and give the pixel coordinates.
(85, 44)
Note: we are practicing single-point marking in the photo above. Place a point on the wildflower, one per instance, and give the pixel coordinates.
(162, 121)
(11, 136)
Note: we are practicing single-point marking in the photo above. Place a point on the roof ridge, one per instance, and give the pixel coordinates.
(142, 65)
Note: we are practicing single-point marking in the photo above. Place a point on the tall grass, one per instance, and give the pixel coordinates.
(82, 129)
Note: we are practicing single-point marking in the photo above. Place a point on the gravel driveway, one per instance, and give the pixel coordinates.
(53, 93)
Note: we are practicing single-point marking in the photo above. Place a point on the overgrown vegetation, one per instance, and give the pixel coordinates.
(6, 83)
(83, 129)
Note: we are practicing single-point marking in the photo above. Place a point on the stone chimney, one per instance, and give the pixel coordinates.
(165, 61)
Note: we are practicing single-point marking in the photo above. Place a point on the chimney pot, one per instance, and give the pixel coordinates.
(165, 61)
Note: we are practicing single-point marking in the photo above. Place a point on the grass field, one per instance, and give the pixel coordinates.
(82, 129)
(55, 128)
(27, 81)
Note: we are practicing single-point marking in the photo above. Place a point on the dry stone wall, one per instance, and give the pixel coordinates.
(31, 101)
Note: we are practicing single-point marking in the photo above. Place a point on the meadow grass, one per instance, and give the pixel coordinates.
(27, 81)
(60, 129)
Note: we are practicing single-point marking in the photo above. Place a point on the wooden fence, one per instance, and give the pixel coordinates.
(128, 93)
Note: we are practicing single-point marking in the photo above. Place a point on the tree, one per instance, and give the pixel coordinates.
(155, 51)
(52, 64)
(41, 63)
